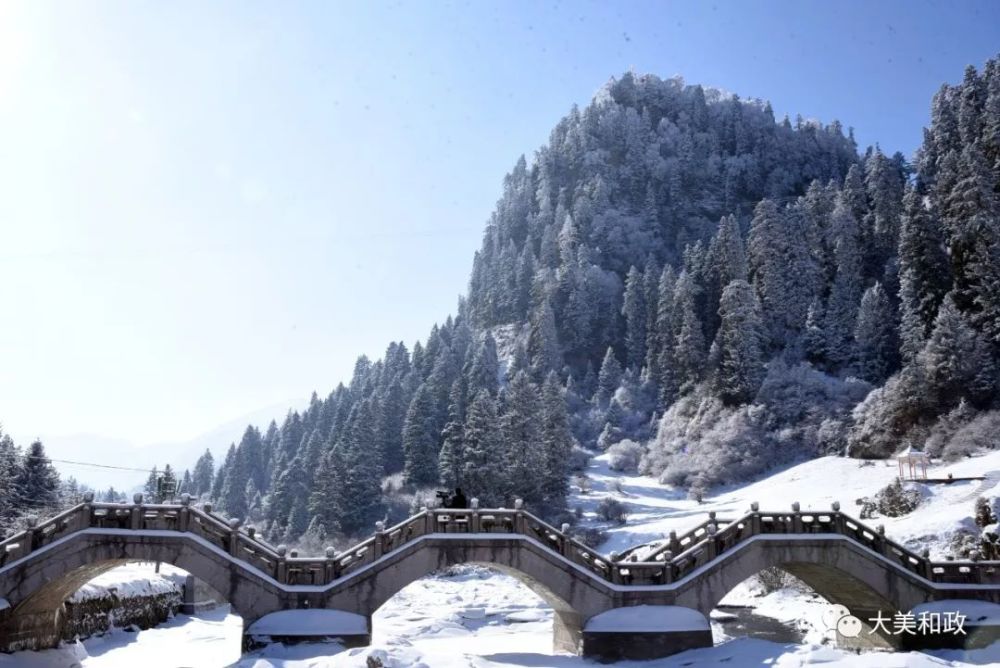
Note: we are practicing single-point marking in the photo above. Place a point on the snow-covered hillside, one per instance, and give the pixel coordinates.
(474, 617)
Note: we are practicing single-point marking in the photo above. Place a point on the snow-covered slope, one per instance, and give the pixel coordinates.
(655, 509)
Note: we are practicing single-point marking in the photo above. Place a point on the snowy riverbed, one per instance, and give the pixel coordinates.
(481, 619)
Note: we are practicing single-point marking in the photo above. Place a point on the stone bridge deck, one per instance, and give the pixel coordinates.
(842, 559)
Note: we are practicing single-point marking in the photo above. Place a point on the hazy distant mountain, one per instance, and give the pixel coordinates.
(97, 449)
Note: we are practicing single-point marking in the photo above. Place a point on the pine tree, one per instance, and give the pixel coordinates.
(875, 333)
(556, 442)
(420, 438)
(815, 336)
(956, 361)
(543, 349)
(845, 294)
(689, 344)
(452, 456)
(37, 484)
(741, 360)
(151, 489)
(634, 312)
(663, 367)
(204, 471)
(390, 416)
(608, 378)
(482, 455)
(290, 486)
(783, 269)
(167, 482)
(298, 520)
(326, 496)
(361, 488)
(523, 460)
(924, 273)
(483, 372)
(726, 263)
(884, 184)
(10, 467)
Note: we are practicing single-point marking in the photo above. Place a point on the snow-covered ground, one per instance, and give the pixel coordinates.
(131, 580)
(480, 619)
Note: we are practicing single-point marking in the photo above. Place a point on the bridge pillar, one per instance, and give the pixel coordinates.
(308, 625)
(645, 632)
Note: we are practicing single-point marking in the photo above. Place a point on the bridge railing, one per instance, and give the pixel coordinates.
(677, 557)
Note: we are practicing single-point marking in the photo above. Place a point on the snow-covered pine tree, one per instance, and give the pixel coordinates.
(421, 435)
(662, 364)
(483, 455)
(690, 352)
(726, 262)
(924, 274)
(608, 378)
(741, 360)
(37, 484)
(784, 273)
(556, 442)
(452, 457)
(204, 472)
(544, 353)
(956, 362)
(634, 312)
(522, 457)
(361, 487)
(10, 465)
(483, 370)
(845, 294)
(150, 488)
(876, 336)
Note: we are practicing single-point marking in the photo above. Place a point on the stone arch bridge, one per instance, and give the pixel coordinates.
(840, 558)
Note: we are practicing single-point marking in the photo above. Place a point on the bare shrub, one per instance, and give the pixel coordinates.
(612, 510)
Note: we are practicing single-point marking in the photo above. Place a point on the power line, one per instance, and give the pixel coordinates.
(93, 464)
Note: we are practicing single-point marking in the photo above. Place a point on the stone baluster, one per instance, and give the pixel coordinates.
(474, 525)
(755, 518)
(672, 541)
(184, 514)
(518, 515)
(281, 568)
(796, 518)
(924, 567)
(87, 511)
(429, 519)
(711, 548)
(135, 520)
(668, 567)
(31, 529)
(330, 567)
(880, 542)
(379, 539)
(564, 540)
(234, 536)
(614, 573)
(837, 519)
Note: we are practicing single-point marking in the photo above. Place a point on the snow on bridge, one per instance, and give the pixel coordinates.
(839, 557)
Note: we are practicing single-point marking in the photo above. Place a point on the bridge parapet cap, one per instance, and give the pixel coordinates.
(137, 498)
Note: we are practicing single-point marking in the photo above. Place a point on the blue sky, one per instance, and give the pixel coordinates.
(209, 208)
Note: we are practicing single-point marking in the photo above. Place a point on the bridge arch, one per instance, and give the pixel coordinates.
(841, 571)
(572, 598)
(43, 583)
